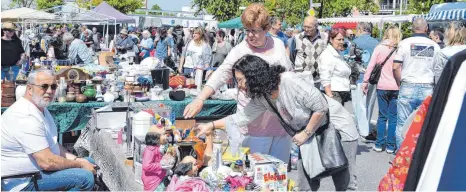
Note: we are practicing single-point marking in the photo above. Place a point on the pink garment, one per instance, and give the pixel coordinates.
(191, 184)
(152, 172)
(236, 182)
(386, 81)
(265, 125)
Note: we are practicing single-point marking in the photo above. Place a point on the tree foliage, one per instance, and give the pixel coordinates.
(222, 10)
(124, 6)
(22, 3)
(292, 11)
(421, 6)
(46, 4)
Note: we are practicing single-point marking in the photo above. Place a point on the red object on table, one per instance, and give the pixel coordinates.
(177, 81)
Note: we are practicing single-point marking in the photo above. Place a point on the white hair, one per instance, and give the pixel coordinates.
(38, 99)
(33, 75)
(419, 24)
(68, 37)
(145, 33)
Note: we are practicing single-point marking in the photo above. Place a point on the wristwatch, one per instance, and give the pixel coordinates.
(309, 133)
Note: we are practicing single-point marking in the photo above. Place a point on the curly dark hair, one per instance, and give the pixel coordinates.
(152, 139)
(261, 78)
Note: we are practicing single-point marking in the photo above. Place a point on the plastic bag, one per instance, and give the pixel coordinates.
(360, 107)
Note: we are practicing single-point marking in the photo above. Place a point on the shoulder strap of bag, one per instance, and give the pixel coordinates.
(389, 55)
(285, 125)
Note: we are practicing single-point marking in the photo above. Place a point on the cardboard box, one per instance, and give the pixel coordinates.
(269, 172)
(106, 58)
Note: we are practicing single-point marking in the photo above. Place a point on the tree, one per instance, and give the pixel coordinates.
(155, 7)
(421, 6)
(222, 10)
(124, 6)
(46, 4)
(22, 3)
(343, 8)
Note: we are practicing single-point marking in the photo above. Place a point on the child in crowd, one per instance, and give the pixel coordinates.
(152, 172)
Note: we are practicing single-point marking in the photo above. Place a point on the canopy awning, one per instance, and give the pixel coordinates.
(447, 12)
(231, 24)
(14, 15)
(369, 19)
(345, 25)
(105, 9)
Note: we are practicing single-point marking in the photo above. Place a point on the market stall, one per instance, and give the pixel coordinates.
(441, 14)
(231, 24)
(67, 14)
(223, 165)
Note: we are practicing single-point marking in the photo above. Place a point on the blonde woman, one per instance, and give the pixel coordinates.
(387, 89)
(196, 55)
(455, 37)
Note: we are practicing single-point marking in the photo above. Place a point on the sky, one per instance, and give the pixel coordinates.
(169, 5)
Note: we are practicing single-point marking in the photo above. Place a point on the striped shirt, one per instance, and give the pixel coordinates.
(78, 52)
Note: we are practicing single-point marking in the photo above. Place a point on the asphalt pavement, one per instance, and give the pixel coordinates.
(371, 166)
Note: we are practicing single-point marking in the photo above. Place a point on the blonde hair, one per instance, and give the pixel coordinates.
(254, 14)
(201, 36)
(393, 33)
(455, 34)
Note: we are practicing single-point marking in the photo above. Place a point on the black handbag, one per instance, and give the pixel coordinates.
(328, 141)
(375, 74)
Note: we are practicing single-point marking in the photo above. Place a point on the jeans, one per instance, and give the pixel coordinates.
(410, 98)
(387, 101)
(277, 146)
(5, 72)
(74, 179)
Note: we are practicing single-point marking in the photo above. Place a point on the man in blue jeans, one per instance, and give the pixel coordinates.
(414, 70)
(29, 143)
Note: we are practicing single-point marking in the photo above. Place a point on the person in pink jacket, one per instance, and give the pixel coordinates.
(387, 90)
(152, 171)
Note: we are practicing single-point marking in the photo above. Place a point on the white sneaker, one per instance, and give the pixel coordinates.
(389, 151)
(377, 149)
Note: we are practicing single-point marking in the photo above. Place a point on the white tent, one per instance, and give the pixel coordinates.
(370, 19)
(15, 15)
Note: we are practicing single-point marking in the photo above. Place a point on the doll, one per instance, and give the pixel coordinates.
(185, 178)
(152, 171)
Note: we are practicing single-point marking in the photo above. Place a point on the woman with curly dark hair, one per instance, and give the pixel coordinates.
(265, 134)
(303, 108)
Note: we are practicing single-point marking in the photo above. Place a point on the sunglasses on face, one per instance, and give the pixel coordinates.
(45, 87)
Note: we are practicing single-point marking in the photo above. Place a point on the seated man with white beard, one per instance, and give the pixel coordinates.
(29, 143)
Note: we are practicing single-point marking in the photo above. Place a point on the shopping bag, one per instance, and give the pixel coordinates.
(360, 110)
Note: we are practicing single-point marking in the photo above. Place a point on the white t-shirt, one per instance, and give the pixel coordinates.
(193, 55)
(418, 55)
(25, 130)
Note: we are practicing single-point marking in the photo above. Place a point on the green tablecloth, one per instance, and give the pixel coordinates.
(74, 116)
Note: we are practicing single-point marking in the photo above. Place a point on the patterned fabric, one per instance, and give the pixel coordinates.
(308, 52)
(78, 52)
(395, 179)
(74, 116)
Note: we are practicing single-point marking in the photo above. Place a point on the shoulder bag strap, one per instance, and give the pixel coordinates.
(285, 125)
(389, 55)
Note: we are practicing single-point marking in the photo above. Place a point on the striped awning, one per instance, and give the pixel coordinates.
(447, 15)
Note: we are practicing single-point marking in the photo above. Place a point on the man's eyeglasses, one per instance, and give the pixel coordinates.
(45, 87)
(253, 31)
(309, 27)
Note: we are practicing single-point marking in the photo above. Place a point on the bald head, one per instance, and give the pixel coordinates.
(310, 20)
(310, 26)
(419, 25)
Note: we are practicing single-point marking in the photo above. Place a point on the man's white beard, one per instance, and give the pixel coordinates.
(40, 101)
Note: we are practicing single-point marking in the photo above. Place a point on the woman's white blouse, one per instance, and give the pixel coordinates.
(334, 70)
